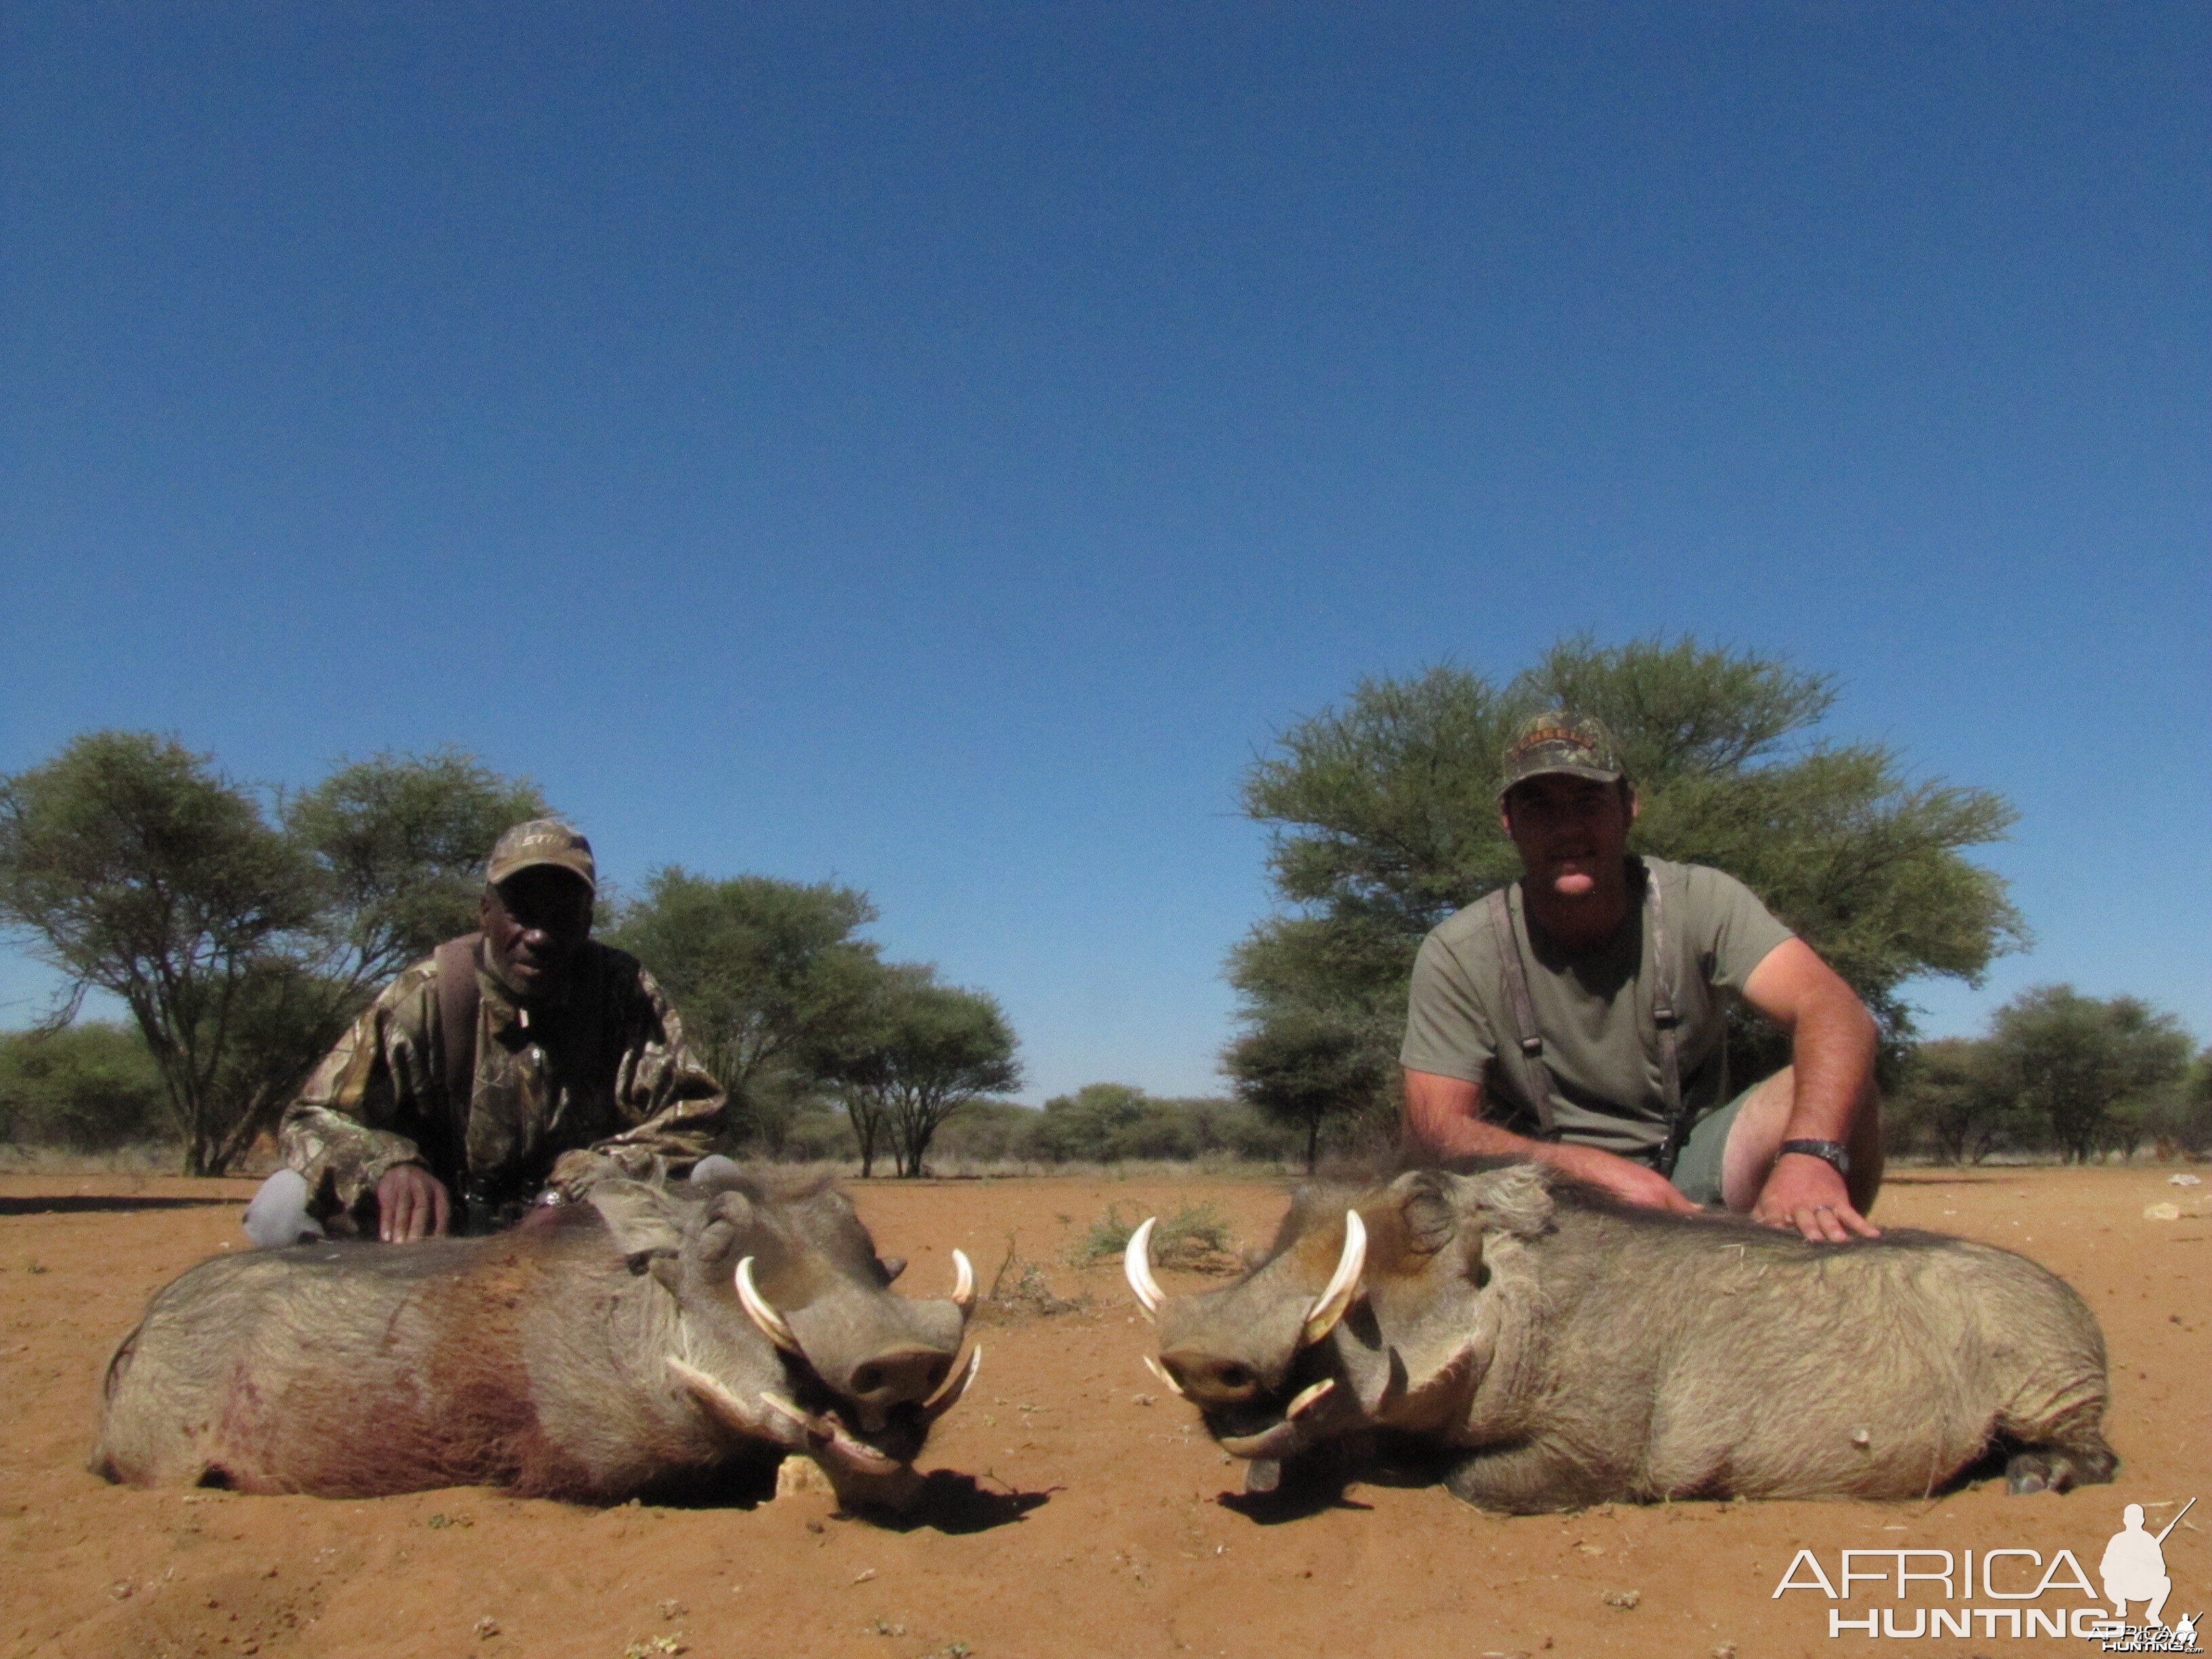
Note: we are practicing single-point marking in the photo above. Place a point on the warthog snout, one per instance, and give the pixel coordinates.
(1255, 1357)
(855, 1357)
(898, 1378)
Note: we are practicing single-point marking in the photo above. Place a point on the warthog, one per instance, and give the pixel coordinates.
(642, 1340)
(1559, 1349)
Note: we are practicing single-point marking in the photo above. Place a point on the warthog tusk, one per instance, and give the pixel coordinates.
(725, 1406)
(1163, 1373)
(770, 1320)
(955, 1384)
(777, 1402)
(1343, 1284)
(1307, 1397)
(1277, 1442)
(964, 1283)
(1137, 1265)
(827, 1434)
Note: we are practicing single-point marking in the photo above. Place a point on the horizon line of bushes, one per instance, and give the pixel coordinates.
(2058, 1075)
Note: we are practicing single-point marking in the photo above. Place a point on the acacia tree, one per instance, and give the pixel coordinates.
(136, 869)
(398, 843)
(1384, 812)
(1304, 1071)
(240, 946)
(1956, 1101)
(771, 982)
(2083, 1062)
(924, 1051)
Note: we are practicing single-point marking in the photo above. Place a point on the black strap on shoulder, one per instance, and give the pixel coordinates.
(458, 998)
(1530, 1040)
(1667, 1018)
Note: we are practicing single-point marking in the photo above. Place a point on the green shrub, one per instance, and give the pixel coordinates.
(91, 1087)
(1195, 1239)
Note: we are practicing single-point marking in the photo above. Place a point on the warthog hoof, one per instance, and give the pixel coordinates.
(2058, 1468)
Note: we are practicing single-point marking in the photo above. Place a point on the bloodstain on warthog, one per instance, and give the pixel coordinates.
(462, 1413)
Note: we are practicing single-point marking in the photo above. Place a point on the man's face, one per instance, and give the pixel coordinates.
(1569, 831)
(535, 921)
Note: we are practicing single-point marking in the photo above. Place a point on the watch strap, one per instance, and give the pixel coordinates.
(1832, 1152)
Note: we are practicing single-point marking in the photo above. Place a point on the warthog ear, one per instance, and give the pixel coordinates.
(734, 1208)
(643, 1218)
(1426, 1210)
(893, 1265)
(1515, 1200)
(716, 1240)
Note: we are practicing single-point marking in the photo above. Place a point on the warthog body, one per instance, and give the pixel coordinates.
(644, 1339)
(1562, 1349)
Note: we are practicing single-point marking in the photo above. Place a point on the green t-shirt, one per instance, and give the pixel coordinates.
(1593, 1011)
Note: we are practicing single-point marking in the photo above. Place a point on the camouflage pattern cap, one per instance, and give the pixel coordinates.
(542, 841)
(1557, 741)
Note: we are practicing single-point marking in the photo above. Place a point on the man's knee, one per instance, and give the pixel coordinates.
(1763, 1122)
(1755, 1139)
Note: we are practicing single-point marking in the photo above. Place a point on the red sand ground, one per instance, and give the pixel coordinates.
(1117, 1540)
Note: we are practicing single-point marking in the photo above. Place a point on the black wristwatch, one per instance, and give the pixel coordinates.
(1828, 1151)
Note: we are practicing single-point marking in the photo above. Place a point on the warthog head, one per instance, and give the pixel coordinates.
(787, 1332)
(1371, 1310)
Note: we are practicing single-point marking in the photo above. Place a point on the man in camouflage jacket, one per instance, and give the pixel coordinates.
(580, 1067)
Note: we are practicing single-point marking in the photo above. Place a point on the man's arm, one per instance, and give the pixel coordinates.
(677, 1104)
(1832, 1043)
(335, 1132)
(1444, 1118)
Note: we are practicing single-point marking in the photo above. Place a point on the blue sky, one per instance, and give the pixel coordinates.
(938, 448)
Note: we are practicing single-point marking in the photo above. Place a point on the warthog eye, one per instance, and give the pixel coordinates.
(1234, 1376)
(868, 1380)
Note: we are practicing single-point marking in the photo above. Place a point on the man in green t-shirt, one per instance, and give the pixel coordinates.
(1578, 1017)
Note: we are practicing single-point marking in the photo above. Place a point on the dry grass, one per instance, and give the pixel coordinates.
(1019, 1292)
(1196, 1239)
(139, 1160)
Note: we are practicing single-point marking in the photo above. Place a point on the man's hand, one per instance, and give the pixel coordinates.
(1444, 1118)
(411, 1204)
(1806, 1193)
(1629, 1181)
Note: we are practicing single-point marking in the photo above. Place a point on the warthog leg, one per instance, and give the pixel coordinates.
(1524, 1479)
(2058, 1468)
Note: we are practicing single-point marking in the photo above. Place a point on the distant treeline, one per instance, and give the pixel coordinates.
(2057, 1073)
(2061, 1075)
(1100, 1123)
(93, 1087)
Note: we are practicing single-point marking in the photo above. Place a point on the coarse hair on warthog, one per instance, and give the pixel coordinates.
(1555, 1348)
(642, 1340)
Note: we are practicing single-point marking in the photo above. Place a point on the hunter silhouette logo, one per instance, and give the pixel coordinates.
(1917, 1592)
(2134, 1570)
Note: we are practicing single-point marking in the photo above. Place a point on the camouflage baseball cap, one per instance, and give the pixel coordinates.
(1557, 741)
(542, 841)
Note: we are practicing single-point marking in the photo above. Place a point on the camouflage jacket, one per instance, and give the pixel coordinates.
(599, 1080)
